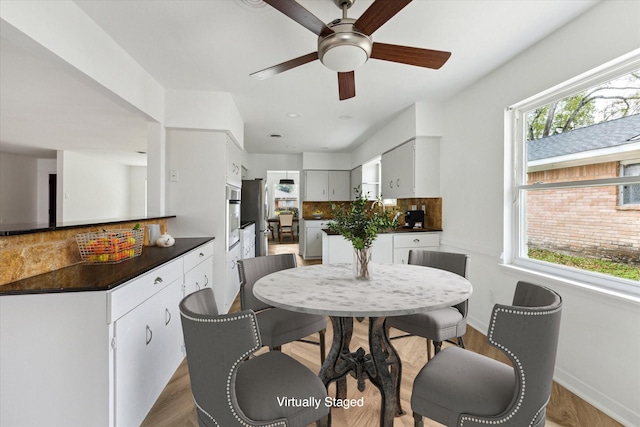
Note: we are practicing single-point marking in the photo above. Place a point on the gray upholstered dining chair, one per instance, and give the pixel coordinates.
(229, 387)
(474, 390)
(277, 326)
(437, 325)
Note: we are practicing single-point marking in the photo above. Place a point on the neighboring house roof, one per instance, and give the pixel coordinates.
(614, 133)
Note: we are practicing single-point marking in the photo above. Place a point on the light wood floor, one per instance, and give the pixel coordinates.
(175, 406)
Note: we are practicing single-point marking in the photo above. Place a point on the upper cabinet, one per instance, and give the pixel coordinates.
(234, 164)
(412, 170)
(323, 186)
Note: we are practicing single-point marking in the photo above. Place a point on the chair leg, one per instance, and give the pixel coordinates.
(417, 420)
(461, 342)
(322, 346)
(437, 345)
(428, 349)
(277, 348)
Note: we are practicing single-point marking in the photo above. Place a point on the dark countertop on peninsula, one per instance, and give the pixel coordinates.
(28, 228)
(92, 277)
(397, 230)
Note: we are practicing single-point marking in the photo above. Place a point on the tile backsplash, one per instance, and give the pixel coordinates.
(432, 208)
(28, 255)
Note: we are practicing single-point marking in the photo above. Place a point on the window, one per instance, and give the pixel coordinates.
(630, 194)
(576, 179)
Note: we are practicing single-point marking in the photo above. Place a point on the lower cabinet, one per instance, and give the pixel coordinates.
(387, 248)
(198, 269)
(337, 249)
(313, 238)
(148, 350)
(232, 278)
(94, 358)
(404, 242)
(248, 241)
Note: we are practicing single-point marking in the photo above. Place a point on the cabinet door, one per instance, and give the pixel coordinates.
(398, 169)
(316, 186)
(198, 277)
(339, 185)
(405, 170)
(233, 279)
(389, 175)
(313, 242)
(168, 350)
(234, 164)
(136, 335)
(382, 249)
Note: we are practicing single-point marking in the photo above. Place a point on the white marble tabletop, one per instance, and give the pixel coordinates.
(394, 290)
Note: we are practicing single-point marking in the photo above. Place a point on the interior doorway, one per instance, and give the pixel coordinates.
(284, 197)
(53, 185)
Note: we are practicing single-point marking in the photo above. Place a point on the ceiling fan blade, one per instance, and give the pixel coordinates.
(302, 16)
(292, 63)
(410, 55)
(379, 13)
(346, 85)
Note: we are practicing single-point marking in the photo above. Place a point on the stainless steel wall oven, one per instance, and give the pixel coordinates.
(233, 216)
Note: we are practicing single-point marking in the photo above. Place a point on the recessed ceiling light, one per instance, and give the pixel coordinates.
(292, 115)
(345, 117)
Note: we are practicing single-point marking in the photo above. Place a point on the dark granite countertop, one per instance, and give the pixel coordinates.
(91, 277)
(28, 228)
(397, 230)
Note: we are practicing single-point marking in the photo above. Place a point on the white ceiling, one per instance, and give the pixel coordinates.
(214, 46)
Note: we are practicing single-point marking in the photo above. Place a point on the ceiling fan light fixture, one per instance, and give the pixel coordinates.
(346, 48)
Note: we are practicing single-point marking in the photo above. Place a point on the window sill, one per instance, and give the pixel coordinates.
(630, 293)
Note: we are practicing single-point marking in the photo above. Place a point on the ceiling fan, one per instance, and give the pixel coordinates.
(346, 44)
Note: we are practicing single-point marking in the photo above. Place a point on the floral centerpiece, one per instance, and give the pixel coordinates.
(360, 222)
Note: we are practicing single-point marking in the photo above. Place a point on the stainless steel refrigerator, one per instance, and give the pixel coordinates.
(255, 207)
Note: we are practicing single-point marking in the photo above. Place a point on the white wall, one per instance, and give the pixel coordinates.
(92, 188)
(45, 168)
(18, 189)
(258, 164)
(600, 333)
(326, 161)
(137, 191)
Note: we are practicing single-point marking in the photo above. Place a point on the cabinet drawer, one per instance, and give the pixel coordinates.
(197, 255)
(416, 240)
(129, 295)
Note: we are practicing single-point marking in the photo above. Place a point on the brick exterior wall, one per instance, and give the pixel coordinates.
(583, 221)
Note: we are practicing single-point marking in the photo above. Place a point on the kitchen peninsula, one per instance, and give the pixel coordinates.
(96, 344)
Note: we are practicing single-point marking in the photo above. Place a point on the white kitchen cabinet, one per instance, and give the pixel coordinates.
(198, 271)
(248, 241)
(234, 164)
(356, 180)
(337, 249)
(404, 242)
(313, 238)
(91, 358)
(148, 349)
(322, 185)
(412, 170)
(233, 278)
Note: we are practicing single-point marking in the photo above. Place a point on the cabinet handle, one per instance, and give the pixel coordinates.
(167, 316)
(197, 286)
(157, 281)
(200, 254)
(323, 191)
(416, 240)
(206, 278)
(149, 335)
(391, 184)
(398, 183)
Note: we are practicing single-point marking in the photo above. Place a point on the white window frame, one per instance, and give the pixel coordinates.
(516, 185)
(623, 165)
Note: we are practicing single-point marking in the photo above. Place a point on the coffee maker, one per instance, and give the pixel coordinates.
(414, 219)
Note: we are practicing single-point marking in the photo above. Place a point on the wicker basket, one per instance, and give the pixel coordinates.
(110, 247)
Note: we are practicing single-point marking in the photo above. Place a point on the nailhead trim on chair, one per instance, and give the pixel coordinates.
(254, 326)
(517, 361)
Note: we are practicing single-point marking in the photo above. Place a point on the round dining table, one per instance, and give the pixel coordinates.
(392, 290)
